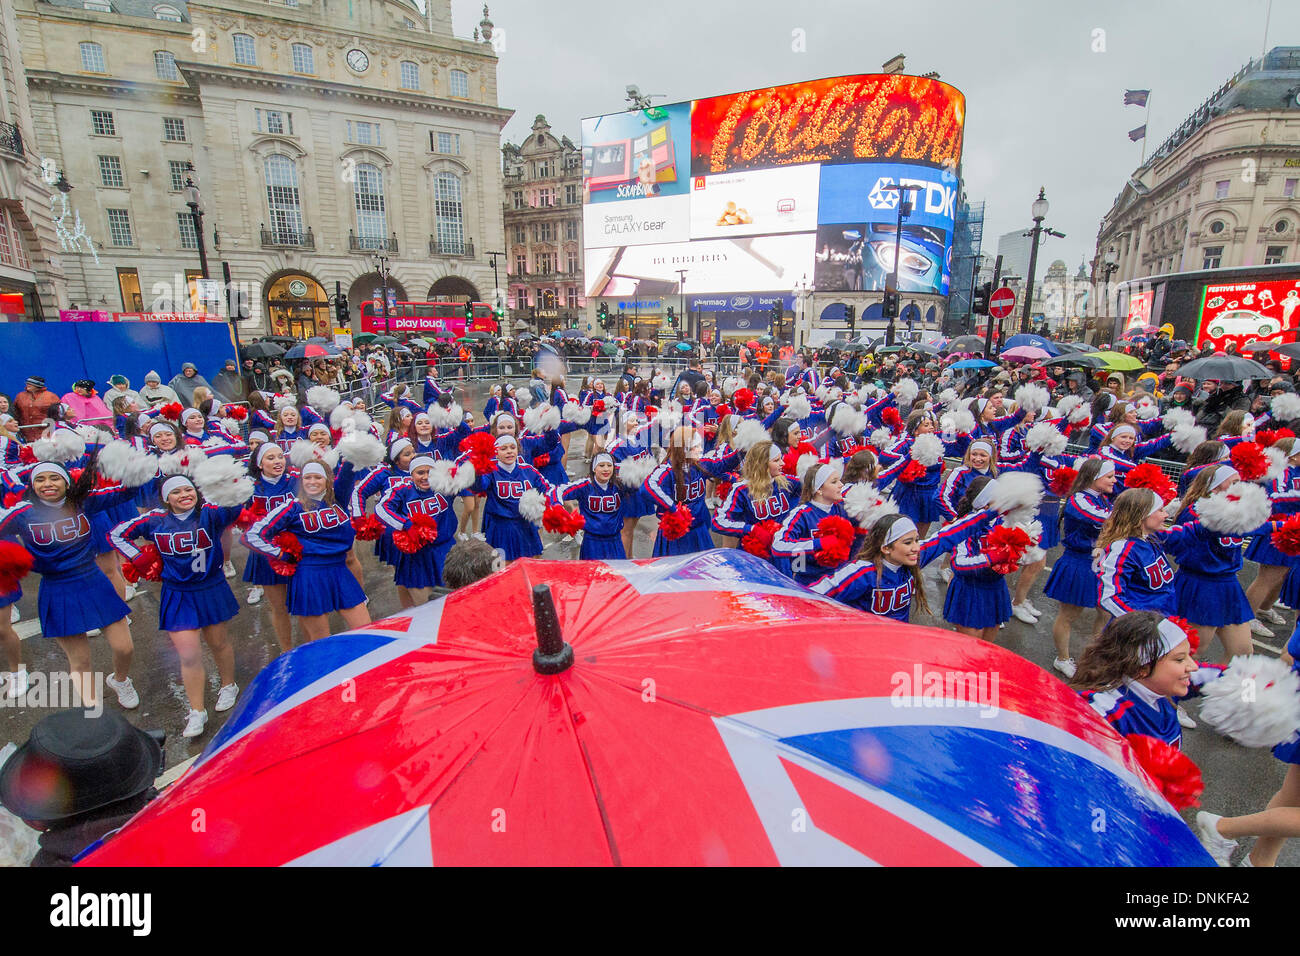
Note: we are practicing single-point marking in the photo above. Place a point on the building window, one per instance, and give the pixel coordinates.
(128, 284)
(303, 59)
(179, 172)
(12, 252)
(363, 134)
(368, 192)
(245, 49)
(410, 75)
(274, 121)
(97, 6)
(571, 194)
(448, 143)
(282, 199)
(447, 213)
(521, 265)
(573, 263)
(1288, 189)
(1217, 226)
(1281, 226)
(546, 197)
(543, 169)
(173, 129)
(459, 83)
(544, 263)
(520, 235)
(1221, 189)
(571, 298)
(170, 14)
(92, 58)
(164, 65)
(189, 238)
(408, 23)
(544, 232)
(571, 229)
(110, 171)
(519, 198)
(101, 123)
(290, 3)
(1213, 256)
(119, 227)
(1274, 255)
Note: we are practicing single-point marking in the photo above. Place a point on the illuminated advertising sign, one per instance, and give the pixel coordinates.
(757, 191)
(1139, 310)
(1244, 312)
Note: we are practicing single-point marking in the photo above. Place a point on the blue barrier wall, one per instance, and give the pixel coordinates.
(64, 352)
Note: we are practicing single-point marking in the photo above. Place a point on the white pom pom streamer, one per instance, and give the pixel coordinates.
(1046, 439)
(283, 401)
(749, 434)
(1185, 438)
(948, 397)
(1277, 465)
(542, 418)
(1177, 418)
(182, 462)
(340, 416)
(578, 414)
(1255, 701)
(847, 421)
(1285, 407)
(805, 462)
(448, 478)
(362, 449)
(798, 409)
(866, 505)
(882, 438)
(1147, 408)
(531, 506)
(660, 381)
(729, 386)
(963, 421)
(303, 452)
(632, 472)
(905, 391)
(1032, 398)
(1017, 495)
(927, 450)
(120, 462)
(63, 446)
(322, 398)
(446, 418)
(1236, 510)
(223, 481)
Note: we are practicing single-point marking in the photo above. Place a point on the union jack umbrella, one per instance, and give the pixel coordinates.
(702, 709)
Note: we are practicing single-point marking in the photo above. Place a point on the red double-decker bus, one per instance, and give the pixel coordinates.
(427, 317)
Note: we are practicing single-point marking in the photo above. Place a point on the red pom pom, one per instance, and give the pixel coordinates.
(833, 526)
(1193, 635)
(723, 489)
(759, 540)
(407, 540)
(598, 407)
(914, 471)
(251, 515)
(12, 498)
(1287, 538)
(560, 520)
(148, 563)
(26, 455)
(676, 523)
(1005, 546)
(790, 460)
(743, 399)
(1250, 461)
(367, 528)
(651, 411)
(542, 460)
(481, 448)
(1150, 476)
(1062, 481)
(833, 554)
(892, 419)
(287, 563)
(1266, 439)
(172, 411)
(237, 412)
(723, 411)
(1173, 772)
(15, 564)
(129, 574)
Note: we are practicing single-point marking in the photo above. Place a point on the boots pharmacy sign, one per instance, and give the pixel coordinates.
(1244, 312)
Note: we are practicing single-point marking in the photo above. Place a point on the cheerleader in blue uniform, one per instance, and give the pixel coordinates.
(799, 543)
(763, 493)
(919, 499)
(988, 424)
(422, 437)
(52, 522)
(1204, 455)
(400, 454)
(195, 601)
(1073, 583)
(501, 399)
(289, 427)
(432, 390)
(681, 482)
(1121, 446)
(274, 483)
(399, 396)
(418, 571)
(1284, 492)
(980, 460)
(319, 581)
(600, 501)
(886, 576)
(1121, 413)
(505, 486)
(634, 461)
(1134, 570)
(977, 600)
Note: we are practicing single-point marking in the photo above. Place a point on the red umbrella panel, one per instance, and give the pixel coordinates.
(694, 710)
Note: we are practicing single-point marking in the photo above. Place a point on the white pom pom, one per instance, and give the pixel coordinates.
(63, 446)
(446, 418)
(963, 421)
(1032, 398)
(865, 505)
(302, 452)
(1177, 418)
(1185, 438)
(448, 478)
(230, 426)
(340, 416)
(1277, 465)
(88, 433)
(284, 401)
(927, 450)
(798, 409)
(182, 462)
(223, 481)
(806, 461)
(1017, 492)
(660, 381)
(578, 414)
(632, 472)
(729, 386)
(322, 398)
(541, 418)
(1068, 404)
(1255, 701)
(1285, 407)
(905, 391)
(669, 417)
(362, 449)
(113, 459)
(531, 506)
(361, 421)
(882, 438)
(749, 434)
(1046, 439)
(847, 421)
(948, 397)
(1236, 510)
(1147, 408)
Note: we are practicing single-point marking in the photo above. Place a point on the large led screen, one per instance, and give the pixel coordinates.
(762, 190)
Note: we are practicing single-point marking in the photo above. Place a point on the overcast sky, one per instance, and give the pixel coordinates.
(1042, 108)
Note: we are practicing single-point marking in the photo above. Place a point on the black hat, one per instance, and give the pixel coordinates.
(75, 762)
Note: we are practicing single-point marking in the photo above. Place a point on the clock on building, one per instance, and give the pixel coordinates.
(358, 61)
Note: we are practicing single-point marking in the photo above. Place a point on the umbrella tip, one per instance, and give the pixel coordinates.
(553, 654)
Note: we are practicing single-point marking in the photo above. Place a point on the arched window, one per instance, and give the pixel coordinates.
(459, 83)
(303, 59)
(245, 49)
(92, 58)
(164, 65)
(448, 215)
(163, 12)
(282, 200)
(368, 194)
(410, 75)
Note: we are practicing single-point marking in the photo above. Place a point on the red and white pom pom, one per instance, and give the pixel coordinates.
(1017, 493)
(181, 462)
(1175, 775)
(481, 450)
(632, 472)
(63, 446)
(1284, 407)
(866, 505)
(223, 481)
(1045, 439)
(1248, 458)
(323, 398)
(1255, 701)
(449, 417)
(448, 478)
(361, 448)
(927, 449)
(122, 463)
(578, 414)
(1235, 510)
(1032, 398)
(748, 434)
(532, 505)
(1146, 408)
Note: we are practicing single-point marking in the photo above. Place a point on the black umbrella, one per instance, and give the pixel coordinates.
(285, 339)
(922, 347)
(1230, 368)
(1254, 347)
(262, 350)
(1079, 347)
(967, 343)
(1291, 349)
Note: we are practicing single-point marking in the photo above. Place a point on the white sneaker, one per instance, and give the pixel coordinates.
(1022, 613)
(126, 695)
(1032, 610)
(480, 535)
(94, 632)
(1260, 630)
(1066, 666)
(17, 683)
(229, 569)
(226, 697)
(130, 594)
(1218, 846)
(1270, 615)
(946, 575)
(15, 615)
(1185, 718)
(1278, 605)
(254, 595)
(198, 719)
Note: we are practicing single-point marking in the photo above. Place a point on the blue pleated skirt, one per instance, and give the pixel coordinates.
(188, 609)
(322, 585)
(423, 569)
(637, 503)
(385, 550)
(1072, 580)
(1210, 602)
(1261, 551)
(1290, 593)
(977, 602)
(78, 602)
(513, 537)
(919, 504)
(1288, 752)
(1049, 516)
(257, 570)
(554, 472)
(697, 539)
(602, 548)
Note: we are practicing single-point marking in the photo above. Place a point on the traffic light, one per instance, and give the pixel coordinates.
(672, 318)
(499, 311)
(778, 313)
(851, 314)
(602, 315)
(469, 308)
(889, 305)
(341, 310)
(238, 304)
(979, 303)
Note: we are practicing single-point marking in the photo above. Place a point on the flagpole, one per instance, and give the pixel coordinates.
(1146, 131)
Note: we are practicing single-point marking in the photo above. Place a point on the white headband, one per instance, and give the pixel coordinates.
(174, 482)
(51, 467)
(314, 468)
(505, 440)
(422, 415)
(1222, 454)
(981, 404)
(1158, 505)
(1171, 635)
(602, 457)
(986, 494)
(262, 450)
(397, 447)
(191, 413)
(258, 435)
(157, 427)
(509, 416)
(419, 460)
(1107, 466)
(1123, 430)
(977, 445)
(734, 421)
(824, 473)
(1222, 474)
(141, 420)
(774, 453)
(903, 526)
(324, 428)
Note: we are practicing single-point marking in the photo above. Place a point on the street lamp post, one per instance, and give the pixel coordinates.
(497, 302)
(904, 210)
(381, 266)
(1039, 213)
(192, 198)
(681, 306)
(801, 291)
(1110, 264)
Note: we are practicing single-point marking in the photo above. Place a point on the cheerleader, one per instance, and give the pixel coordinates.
(1273, 564)
(631, 454)
(987, 423)
(400, 397)
(506, 487)
(800, 538)
(420, 568)
(288, 426)
(1073, 583)
(763, 493)
(1203, 455)
(977, 602)
(678, 487)
(500, 399)
(432, 390)
(1134, 571)
(259, 413)
(319, 579)
(918, 497)
(398, 424)
(400, 454)
(75, 596)
(600, 502)
(1237, 426)
(274, 483)
(980, 460)
(1122, 447)
(1121, 413)
(256, 439)
(195, 601)
(421, 434)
